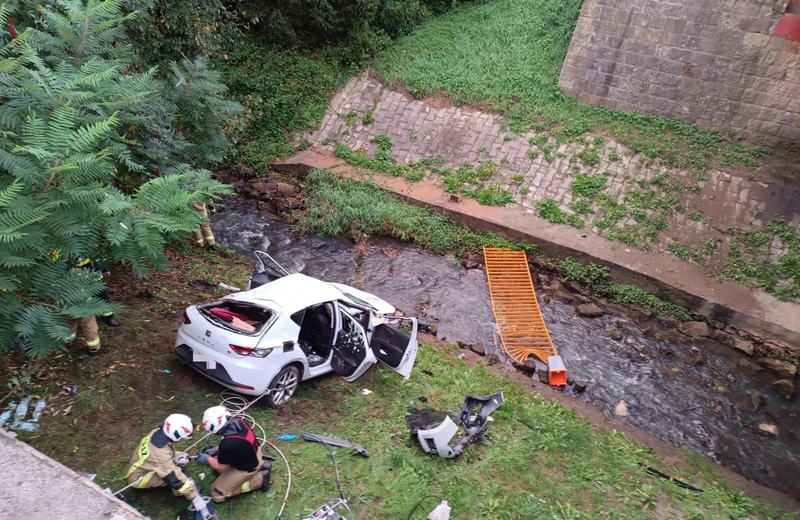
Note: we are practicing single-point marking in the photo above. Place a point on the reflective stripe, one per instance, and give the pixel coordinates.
(83, 261)
(144, 454)
(72, 336)
(93, 343)
(185, 487)
(143, 483)
(246, 487)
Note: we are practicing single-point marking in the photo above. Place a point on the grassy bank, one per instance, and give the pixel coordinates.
(544, 461)
(506, 55)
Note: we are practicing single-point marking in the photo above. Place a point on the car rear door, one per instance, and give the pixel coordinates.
(394, 343)
(351, 352)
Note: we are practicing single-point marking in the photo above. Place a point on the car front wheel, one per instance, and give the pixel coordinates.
(283, 387)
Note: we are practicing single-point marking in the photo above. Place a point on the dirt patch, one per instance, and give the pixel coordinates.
(438, 100)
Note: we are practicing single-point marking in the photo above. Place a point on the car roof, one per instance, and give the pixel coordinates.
(291, 293)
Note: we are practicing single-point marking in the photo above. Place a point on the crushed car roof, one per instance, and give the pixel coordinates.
(292, 293)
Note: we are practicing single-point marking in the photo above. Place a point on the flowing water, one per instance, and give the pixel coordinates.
(705, 408)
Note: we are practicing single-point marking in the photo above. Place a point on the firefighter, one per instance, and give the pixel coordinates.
(89, 333)
(203, 236)
(155, 463)
(237, 458)
(107, 318)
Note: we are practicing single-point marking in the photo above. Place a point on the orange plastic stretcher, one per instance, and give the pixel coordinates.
(516, 311)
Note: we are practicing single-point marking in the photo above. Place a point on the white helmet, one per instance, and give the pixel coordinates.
(177, 427)
(215, 418)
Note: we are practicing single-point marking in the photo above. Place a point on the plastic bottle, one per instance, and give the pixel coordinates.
(37, 412)
(22, 409)
(27, 426)
(6, 415)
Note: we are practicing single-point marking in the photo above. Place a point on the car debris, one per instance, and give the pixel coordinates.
(435, 429)
(366, 391)
(289, 327)
(333, 441)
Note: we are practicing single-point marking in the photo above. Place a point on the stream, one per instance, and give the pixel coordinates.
(705, 408)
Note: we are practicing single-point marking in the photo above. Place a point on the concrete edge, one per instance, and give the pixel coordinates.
(669, 278)
(30, 450)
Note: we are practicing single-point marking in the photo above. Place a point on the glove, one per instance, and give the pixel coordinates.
(198, 503)
(181, 460)
(212, 452)
(202, 458)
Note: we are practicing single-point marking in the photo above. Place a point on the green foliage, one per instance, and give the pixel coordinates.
(548, 209)
(589, 157)
(591, 275)
(367, 118)
(494, 195)
(588, 186)
(284, 92)
(698, 216)
(82, 138)
(752, 262)
(341, 207)
(517, 179)
(172, 30)
(631, 294)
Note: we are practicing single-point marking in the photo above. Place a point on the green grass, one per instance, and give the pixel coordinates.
(548, 209)
(341, 207)
(588, 186)
(479, 55)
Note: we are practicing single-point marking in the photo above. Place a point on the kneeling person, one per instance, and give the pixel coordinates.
(237, 458)
(156, 464)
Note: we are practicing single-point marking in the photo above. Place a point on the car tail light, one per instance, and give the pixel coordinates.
(186, 320)
(242, 351)
(244, 387)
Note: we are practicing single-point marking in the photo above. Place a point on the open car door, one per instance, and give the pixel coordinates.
(394, 342)
(352, 355)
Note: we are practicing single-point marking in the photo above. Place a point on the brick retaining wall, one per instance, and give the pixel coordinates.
(732, 65)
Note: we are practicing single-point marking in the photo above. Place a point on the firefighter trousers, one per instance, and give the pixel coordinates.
(203, 236)
(232, 482)
(89, 332)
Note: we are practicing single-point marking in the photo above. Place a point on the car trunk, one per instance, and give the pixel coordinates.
(237, 317)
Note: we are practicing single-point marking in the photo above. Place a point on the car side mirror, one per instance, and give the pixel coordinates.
(288, 346)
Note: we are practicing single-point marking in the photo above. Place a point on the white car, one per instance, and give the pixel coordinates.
(291, 328)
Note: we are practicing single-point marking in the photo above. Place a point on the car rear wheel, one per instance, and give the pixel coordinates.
(283, 387)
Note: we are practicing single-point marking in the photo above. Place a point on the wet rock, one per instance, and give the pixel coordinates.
(462, 344)
(479, 349)
(284, 189)
(667, 353)
(782, 368)
(793, 435)
(544, 376)
(580, 387)
(695, 329)
(667, 320)
(576, 288)
(564, 296)
(543, 279)
(570, 380)
(546, 298)
(748, 368)
(768, 430)
(783, 387)
(432, 329)
(723, 337)
(471, 261)
(492, 360)
(697, 358)
(621, 409)
(589, 310)
(614, 333)
(745, 346)
(756, 399)
(528, 367)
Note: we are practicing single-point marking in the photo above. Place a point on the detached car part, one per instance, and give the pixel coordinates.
(435, 430)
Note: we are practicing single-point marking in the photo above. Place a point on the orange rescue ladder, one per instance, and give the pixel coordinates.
(516, 311)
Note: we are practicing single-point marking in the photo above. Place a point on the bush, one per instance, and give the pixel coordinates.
(93, 162)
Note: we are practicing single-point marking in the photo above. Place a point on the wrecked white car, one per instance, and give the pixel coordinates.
(287, 328)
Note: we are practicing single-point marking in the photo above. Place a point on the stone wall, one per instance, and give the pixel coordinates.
(732, 65)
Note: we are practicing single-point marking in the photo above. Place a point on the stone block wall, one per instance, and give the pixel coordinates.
(731, 65)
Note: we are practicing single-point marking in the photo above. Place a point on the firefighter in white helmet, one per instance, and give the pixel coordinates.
(237, 458)
(155, 463)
